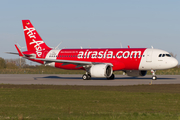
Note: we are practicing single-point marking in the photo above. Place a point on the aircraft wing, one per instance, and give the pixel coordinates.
(66, 62)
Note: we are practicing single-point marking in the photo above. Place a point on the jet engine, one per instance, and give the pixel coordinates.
(136, 73)
(101, 70)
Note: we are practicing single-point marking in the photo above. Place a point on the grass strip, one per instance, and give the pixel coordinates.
(54, 102)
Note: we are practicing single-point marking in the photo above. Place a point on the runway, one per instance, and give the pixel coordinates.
(69, 79)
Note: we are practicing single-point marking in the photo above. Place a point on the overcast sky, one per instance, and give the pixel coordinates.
(93, 23)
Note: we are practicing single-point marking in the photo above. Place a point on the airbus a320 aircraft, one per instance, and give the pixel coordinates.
(96, 62)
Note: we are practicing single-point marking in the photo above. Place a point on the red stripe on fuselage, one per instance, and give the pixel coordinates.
(122, 59)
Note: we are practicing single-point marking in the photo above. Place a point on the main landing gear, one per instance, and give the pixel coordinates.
(154, 77)
(111, 77)
(86, 77)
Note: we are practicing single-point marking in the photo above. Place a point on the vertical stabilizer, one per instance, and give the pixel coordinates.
(33, 40)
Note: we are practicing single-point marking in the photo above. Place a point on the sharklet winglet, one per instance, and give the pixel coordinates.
(19, 51)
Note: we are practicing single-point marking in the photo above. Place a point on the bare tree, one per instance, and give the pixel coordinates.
(18, 62)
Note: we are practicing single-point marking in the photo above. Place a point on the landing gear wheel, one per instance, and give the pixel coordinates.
(89, 77)
(153, 74)
(154, 77)
(111, 77)
(86, 77)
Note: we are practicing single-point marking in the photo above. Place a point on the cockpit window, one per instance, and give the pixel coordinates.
(164, 55)
(168, 55)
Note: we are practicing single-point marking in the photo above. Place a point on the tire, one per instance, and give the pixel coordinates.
(84, 77)
(111, 77)
(89, 77)
(154, 77)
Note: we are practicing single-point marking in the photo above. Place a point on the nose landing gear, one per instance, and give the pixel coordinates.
(154, 77)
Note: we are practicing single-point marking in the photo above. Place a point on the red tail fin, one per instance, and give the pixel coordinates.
(33, 40)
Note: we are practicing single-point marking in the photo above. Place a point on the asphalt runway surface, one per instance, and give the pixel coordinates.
(69, 79)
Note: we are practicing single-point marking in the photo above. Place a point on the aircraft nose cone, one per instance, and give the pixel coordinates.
(174, 62)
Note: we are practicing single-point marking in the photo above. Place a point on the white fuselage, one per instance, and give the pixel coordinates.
(156, 59)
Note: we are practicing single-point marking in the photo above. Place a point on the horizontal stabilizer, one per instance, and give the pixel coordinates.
(25, 55)
(12, 53)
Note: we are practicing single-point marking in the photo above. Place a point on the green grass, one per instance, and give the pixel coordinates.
(48, 102)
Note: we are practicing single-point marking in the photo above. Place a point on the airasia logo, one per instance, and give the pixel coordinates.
(109, 54)
(30, 32)
(37, 44)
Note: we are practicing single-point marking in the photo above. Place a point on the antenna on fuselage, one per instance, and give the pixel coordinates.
(152, 47)
(57, 46)
(81, 47)
(121, 45)
(20, 46)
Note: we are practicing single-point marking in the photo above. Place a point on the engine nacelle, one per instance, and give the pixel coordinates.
(136, 73)
(101, 70)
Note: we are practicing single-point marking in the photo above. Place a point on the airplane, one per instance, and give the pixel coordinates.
(96, 62)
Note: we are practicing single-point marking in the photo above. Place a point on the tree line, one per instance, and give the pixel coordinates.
(12, 63)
